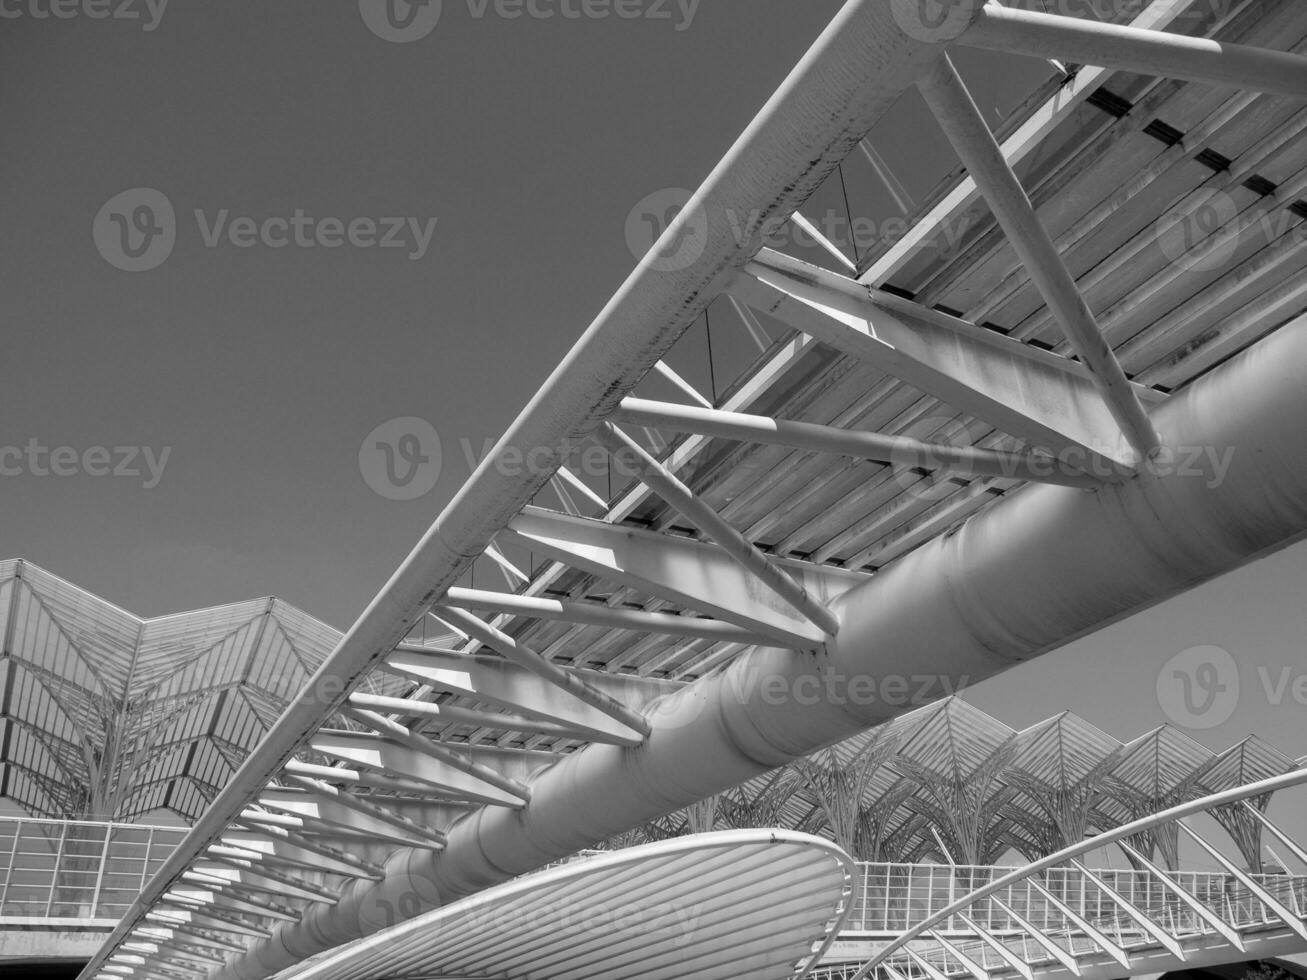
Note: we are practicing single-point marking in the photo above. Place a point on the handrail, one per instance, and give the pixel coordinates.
(1173, 814)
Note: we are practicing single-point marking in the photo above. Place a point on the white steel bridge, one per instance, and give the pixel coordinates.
(943, 461)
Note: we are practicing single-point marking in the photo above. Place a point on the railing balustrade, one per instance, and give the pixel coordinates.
(76, 872)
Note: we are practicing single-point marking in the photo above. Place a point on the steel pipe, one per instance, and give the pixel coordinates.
(970, 461)
(1124, 48)
(1019, 580)
(598, 614)
(573, 682)
(966, 129)
(682, 499)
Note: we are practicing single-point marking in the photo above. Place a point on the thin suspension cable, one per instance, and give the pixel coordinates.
(712, 372)
(853, 238)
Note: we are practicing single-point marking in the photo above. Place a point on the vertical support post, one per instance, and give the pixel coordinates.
(9, 871)
(58, 863)
(99, 875)
(145, 865)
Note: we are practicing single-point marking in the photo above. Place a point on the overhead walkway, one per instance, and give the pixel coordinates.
(944, 461)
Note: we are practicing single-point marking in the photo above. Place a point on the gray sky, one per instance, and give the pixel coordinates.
(261, 370)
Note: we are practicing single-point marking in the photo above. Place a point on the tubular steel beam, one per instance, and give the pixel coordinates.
(853, 74)
(1125, 48)
(729, 538)
(692, 573)
(497, 680)
(1019, 580)
(966, 129)
(1038, 935)
(1227, 931)
(568, 681)
(596, 614)
(1047, 400)
(481, 719)
(970, 461)
(1141, 919)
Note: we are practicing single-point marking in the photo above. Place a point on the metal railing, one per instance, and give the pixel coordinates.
(891, 898)
(76, 872)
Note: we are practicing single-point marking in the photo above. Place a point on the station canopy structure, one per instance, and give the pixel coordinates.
(109, 716)
(949, 783)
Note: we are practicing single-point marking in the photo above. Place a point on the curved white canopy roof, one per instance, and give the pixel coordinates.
(755, 904)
